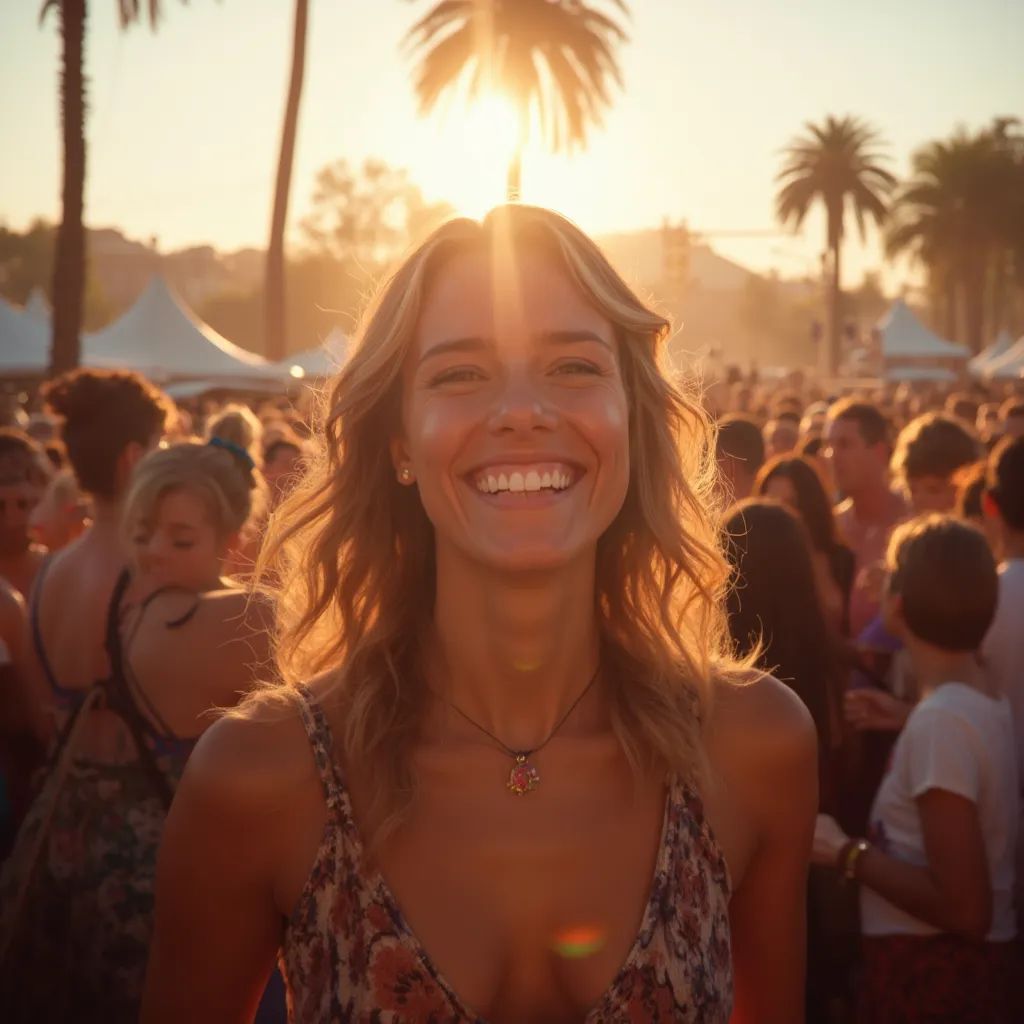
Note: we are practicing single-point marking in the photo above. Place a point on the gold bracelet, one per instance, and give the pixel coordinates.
(852, 859)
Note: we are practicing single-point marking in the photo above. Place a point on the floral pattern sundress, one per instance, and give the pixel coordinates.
(349, 956)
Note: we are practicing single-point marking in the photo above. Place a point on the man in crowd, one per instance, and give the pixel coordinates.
(740, 453)
(930, 452)
(858, 448)
(781, 434)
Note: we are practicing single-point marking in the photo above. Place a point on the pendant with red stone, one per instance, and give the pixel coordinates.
(523, 778)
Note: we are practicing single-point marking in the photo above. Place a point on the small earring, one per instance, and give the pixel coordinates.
(405, 475)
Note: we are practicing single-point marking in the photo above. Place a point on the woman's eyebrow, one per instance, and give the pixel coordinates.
(569, 337)
(468, 344)
(475, 343)
(181, 527)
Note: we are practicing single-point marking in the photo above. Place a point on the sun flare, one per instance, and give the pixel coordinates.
(485, 136)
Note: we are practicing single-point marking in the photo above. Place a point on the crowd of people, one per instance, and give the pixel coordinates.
(518, 680)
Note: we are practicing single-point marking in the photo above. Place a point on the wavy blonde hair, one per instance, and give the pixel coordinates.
(351, 552)
(229, 488)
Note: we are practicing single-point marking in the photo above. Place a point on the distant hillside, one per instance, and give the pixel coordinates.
(639, 257)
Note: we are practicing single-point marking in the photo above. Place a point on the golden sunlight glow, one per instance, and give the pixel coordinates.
(485, 136)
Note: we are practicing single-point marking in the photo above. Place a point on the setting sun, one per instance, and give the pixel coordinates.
(486, 135)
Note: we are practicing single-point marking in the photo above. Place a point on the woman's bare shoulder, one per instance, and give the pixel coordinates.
(759, 723)
(257, 754)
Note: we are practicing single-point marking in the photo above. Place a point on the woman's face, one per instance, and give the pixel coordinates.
(17, 501)
(515, 419)
(180, 546)
(781, 489)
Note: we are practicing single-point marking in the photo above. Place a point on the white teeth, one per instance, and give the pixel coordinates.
(517, 482)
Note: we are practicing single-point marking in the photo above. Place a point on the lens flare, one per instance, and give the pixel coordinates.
(578, 941)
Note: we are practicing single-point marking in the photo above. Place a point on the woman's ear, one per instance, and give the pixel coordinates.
(401, 461)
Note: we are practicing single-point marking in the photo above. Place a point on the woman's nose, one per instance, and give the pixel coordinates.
(522, 405)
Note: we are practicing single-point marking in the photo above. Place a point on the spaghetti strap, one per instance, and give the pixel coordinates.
(320, 739)
(37, 633)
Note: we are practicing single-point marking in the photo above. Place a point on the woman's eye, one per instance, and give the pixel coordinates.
(183, 545)
(457, 375)
(577, 366)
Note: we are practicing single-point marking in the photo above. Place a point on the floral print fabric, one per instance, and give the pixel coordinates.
(81, 941)
(349, 956)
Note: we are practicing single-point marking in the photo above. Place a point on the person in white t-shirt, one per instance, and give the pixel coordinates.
(1003, 650)
(937, 874)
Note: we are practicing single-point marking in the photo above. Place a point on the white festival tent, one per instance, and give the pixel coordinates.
(937, 374)
(38, 306)
(24, 342)
(321, 361)
(160, 337)
(998, 349)
(904, 337)
(1008, 366)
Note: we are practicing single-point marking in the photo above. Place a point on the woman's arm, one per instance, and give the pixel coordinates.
(777, 786)
(953, 892)
(217, 926)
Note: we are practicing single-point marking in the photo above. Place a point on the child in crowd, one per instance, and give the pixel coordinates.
(937, 871)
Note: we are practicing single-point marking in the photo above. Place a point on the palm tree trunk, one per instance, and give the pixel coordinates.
(835, 314)
(69, 258)
(514, 183)
(974, 305)
(274, 274)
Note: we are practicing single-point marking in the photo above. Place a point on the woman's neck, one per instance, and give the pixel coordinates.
(513, 652)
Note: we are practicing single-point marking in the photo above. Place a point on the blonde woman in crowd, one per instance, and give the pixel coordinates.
(77, 892)
(239, 429)
(513, 773)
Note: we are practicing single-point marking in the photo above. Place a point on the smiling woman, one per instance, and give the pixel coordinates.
(502, 635)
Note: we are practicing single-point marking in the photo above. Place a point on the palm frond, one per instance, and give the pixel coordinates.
(556, 55)
(443, 65)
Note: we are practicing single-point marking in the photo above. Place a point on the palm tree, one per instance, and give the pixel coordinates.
(275, 307)
(838, 163)
(958, 215)
(69, 258)
(554, 56)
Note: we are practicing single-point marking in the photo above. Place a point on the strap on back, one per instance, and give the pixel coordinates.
(35, 599)
(320, 739)
(120, 697)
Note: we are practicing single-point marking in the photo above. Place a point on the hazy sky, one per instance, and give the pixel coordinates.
(184, 125)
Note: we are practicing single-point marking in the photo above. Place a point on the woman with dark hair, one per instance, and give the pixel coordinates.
(109, 420)
(773, 602)
(796, 483)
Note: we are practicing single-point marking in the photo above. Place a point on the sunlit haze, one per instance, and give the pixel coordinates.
(184, 124)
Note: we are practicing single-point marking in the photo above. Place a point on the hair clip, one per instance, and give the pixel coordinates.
(235, 449)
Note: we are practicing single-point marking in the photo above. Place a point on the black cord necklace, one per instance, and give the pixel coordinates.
(523, 777)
